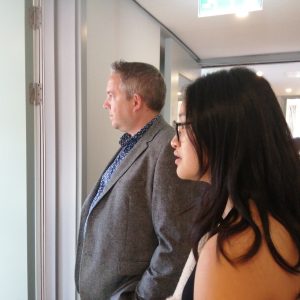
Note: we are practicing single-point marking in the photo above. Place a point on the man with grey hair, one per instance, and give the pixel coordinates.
(133, 237)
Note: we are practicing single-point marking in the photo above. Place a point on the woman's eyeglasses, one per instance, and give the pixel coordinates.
(178, 128)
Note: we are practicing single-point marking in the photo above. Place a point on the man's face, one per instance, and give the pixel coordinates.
(120, 108)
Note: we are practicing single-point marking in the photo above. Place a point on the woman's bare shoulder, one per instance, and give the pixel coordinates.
(216, 278)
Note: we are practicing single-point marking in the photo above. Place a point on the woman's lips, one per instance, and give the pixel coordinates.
(177, 159)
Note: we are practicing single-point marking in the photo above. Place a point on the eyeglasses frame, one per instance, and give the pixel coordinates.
(177, 124)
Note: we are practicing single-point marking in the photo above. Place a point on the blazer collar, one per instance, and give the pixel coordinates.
(133, 155)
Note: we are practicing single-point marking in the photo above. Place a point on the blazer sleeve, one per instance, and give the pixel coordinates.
(172, 215)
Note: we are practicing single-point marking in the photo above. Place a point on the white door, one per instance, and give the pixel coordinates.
(17, 170)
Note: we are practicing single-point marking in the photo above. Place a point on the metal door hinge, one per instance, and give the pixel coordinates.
(35, 17)
(35, 93)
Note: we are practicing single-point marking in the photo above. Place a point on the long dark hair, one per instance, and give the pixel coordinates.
(241, 136)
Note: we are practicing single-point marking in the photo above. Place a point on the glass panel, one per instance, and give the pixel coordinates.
(179, 70)
(293, 116)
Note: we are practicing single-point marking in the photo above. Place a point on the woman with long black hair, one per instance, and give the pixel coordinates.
(233, 135)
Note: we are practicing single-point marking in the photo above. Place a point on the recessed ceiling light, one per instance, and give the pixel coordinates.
(288, 90)
(207, 8)
(179, 93)
(259, 73)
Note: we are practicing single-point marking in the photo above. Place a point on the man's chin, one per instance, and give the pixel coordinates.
(114, 125)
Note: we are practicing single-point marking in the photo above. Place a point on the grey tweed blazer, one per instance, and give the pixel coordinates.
(135, 243)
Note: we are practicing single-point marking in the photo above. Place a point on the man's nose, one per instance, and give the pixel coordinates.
(106, 104)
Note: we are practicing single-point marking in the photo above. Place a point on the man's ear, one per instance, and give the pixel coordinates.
(137, 102)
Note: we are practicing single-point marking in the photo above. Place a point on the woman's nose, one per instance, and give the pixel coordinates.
(174, 142)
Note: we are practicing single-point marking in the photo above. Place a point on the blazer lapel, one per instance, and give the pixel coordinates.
(133, 155)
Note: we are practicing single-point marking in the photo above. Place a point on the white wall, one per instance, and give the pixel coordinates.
(13, 212)
(116, 29)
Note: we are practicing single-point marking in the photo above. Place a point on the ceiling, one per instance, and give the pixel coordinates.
(272, 31)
